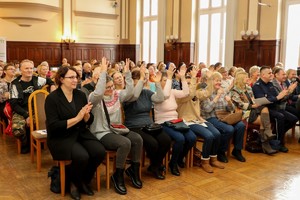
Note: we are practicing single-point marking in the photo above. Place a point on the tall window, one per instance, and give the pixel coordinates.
(150, 30)
(292, 45)
(211, 31)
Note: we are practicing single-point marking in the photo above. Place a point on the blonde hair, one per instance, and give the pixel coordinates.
(210, 82)
(239, 80)
(253, 69)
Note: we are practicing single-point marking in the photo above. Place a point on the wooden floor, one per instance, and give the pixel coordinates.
(261, 177)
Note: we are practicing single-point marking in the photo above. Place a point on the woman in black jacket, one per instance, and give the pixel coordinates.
(67, 114)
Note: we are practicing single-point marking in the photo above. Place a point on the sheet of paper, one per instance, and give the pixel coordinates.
(262, 101)
(43, 132)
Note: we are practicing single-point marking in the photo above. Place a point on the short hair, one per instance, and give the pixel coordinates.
(253, 69)
(62, 72)
(26, 61)
(289, 71)
(218, 64)
(136, 74)
(108, 78)
(276, 70)
(263, 68)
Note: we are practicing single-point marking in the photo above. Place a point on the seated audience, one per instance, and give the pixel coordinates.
(217, 100)
(21, 88)
(107, 110)
(243, 98)
(254, 74)
(137, 115)
(67, 115)
(284, 120)
(166, 111)
(189, 110)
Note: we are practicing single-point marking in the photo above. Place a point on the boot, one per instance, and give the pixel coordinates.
(238, 155)
(133, 172)
(266, 147)
(118, 180)
(206, 166)
(265, 120)
(215, 163)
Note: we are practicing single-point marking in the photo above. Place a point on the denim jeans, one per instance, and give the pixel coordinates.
(227, 131)
(183, 142)
(211, 137)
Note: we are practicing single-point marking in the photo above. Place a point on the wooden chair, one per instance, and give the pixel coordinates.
(38, 135)
(3, 127)
(62, 167)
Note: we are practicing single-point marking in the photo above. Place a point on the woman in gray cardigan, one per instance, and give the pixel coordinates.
(106, 95)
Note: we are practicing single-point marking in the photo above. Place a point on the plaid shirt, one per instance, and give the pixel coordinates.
(208, 106)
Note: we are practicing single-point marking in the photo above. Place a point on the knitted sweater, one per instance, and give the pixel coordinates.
(166, 110)
(100, 126)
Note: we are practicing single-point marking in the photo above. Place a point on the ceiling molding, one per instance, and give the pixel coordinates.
(95, 15)
(29, 6)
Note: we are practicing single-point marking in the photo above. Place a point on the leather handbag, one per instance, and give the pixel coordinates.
(152, 129)
(178, 125)
(229, 117)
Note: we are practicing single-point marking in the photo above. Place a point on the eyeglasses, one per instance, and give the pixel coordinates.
(71, 77)
(109, 87)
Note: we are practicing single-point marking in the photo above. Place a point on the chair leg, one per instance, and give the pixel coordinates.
(192, 156)
(107, 171)
(62, 177)
(38, 155)
(187, 159)
(19, 144)
(32, 149)
(98, 175)
(143, 157)
(229, 147)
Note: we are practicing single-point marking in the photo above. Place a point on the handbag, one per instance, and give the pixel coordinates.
(8, 113)
(178, 125)
(115, 128)
(229, 117)
(152, 129)
(119, 129)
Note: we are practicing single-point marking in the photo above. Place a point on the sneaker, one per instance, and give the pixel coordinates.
(238, 155)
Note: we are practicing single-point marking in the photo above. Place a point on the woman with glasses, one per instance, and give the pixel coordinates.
(67, 115)
(107, 110)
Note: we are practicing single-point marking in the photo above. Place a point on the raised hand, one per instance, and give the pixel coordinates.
(142, 72)
(194, 72)
(104, 64)
(171, 70)
(182, 72)
(157, 77)
(126, 67)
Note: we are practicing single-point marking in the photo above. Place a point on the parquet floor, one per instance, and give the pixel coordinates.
(261, 177)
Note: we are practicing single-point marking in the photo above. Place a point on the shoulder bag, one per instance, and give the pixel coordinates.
(116, 128)
(229, 117)
(152, 129)
(178, 125)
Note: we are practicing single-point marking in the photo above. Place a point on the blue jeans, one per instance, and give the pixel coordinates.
(211, 137)
(183, 142)
(227, 131)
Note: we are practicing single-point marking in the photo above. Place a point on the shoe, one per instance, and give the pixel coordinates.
(118, 181)
(206, 166)
(222, 157)
(267, 149)
(25, 150)
(74, 192)
(133, 172)
(162, 168)
(238, 155)
(215, 163)
(174, 169)
(156, 172)
(283, 149)
(86, 189)
(181, 164)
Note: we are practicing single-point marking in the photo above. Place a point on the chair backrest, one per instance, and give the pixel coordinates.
(36, 110)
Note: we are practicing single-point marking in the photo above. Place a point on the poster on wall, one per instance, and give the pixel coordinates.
(3, 49)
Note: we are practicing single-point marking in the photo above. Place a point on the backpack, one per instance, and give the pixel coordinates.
(54, 173)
